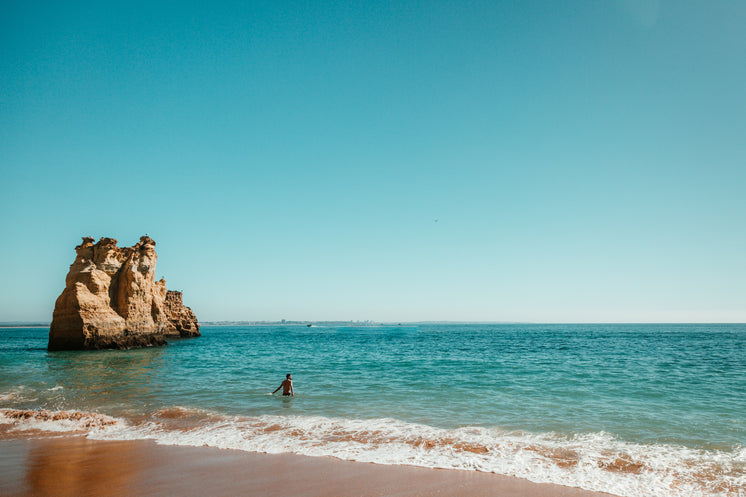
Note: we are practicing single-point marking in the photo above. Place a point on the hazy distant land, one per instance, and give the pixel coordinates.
(24, 324)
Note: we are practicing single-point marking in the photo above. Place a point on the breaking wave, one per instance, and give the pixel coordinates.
(20, 420)
(594, 461)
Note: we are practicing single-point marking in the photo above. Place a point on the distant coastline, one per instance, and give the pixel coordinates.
(348, 323)
(23, 324)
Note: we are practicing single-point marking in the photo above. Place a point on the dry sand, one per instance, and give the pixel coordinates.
(77, 467)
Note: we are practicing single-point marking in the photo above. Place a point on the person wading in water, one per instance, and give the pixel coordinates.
(287, 387)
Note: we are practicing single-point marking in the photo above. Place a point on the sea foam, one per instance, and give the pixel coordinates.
(593, 461)
(55, 421)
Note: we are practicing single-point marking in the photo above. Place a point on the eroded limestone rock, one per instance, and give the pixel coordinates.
(111, 300)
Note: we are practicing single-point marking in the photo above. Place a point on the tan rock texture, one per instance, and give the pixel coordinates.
(111, 300)
(181, 319)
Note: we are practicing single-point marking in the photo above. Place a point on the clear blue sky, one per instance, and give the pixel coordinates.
(585, 161)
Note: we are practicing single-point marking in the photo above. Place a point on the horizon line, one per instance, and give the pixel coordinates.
(36, 324)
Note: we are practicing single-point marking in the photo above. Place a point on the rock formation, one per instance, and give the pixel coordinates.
(111, 300)
(181, 320)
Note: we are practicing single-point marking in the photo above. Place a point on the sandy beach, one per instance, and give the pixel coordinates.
(73, 466)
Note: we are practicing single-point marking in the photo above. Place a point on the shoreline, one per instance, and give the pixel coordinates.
(72, 465)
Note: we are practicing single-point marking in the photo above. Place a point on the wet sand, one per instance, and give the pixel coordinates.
(73, 466)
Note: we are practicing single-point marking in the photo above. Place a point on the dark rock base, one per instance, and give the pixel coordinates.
(126, 340)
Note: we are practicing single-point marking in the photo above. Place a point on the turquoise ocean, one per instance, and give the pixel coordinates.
(629, 409)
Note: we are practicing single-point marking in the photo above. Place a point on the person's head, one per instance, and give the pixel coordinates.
(289, 376)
